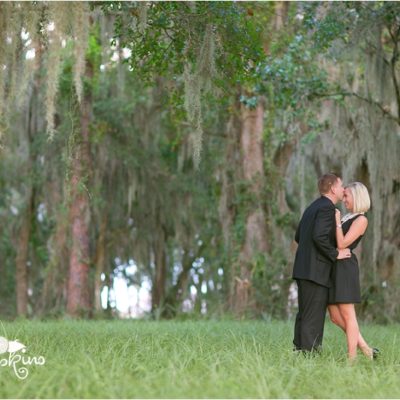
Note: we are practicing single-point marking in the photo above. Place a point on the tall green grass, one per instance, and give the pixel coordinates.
(195, 359)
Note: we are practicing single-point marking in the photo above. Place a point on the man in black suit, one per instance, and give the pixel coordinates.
(315, 256)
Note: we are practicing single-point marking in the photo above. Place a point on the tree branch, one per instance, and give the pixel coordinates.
(385, 109)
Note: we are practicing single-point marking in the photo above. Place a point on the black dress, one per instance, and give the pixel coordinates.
(345, 274)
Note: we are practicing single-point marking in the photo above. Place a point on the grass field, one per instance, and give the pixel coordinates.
(194, 359)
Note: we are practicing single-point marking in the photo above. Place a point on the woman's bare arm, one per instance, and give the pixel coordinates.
(357, 228)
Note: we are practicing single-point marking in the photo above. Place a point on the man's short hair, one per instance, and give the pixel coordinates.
(325, 182)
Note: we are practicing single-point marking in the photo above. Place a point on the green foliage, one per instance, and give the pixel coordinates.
(93, 56)
(293, 79)
(328, 24)
(173, 35)
(173, 96)
(209, 44)
(270, 284)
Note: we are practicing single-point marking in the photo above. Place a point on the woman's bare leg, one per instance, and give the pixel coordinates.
(337, 319)
(352, 331)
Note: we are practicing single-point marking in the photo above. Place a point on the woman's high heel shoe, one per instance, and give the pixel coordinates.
(375, 353)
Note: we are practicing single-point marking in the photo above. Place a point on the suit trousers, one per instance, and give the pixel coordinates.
(310, 320)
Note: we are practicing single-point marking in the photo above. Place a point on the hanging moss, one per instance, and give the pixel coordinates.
(3, 30)
(58, 13)
(363, 144)
(206, 60)
(198, 82)
(53, 72)
(29, 41)
(46, 25)
(14, 55)
(10, 41)
(81, 35)
(192, 106)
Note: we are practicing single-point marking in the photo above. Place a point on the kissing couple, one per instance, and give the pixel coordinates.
(325, 268)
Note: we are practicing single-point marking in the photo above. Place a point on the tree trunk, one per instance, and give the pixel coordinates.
(100, 265)
(22, 258)
(158, 292)
(255, 238)
(253, 168)
(228, 206)
(252, 158)
(175, 295)
(26, 216)
(78, 302)
(54, 290)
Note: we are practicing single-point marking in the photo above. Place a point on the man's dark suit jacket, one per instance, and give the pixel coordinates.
(316, 236)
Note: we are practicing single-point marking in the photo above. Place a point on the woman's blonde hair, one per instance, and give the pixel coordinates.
(361, 200)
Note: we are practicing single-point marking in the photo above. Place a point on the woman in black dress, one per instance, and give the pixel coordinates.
(345, 291)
